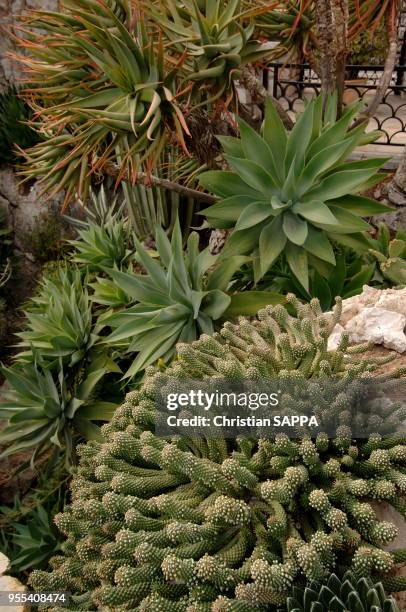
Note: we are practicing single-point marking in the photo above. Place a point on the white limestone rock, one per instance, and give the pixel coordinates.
(8, 583)
(393, 300)
(379, 326)
(353, 305)
(376, 315)
(4, 564)
(335, 337)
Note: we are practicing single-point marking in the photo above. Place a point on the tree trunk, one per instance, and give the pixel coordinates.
(332, 25)
(341, 16)
(149, 180)
(258, 92)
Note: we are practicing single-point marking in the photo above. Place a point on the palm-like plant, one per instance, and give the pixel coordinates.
(294, 193)
(215, 38)
(182, 295)
(98, 84)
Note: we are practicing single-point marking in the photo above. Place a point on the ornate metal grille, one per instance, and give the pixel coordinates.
(293, 83)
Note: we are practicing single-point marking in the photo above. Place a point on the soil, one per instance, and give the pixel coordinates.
(399, 360)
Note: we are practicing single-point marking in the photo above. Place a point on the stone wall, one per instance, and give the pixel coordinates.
(22, 204)
(9, 11)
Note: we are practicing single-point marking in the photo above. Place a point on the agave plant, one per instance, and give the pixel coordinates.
(59, 321)
(46, 409)
(181, 296)
(104, 237)
(350, 594)
(213, 36)
(108, 91)
(294, 193)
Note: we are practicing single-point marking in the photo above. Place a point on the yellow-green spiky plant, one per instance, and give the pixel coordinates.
(213, 524)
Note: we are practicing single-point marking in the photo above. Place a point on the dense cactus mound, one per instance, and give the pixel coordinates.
(198, 524)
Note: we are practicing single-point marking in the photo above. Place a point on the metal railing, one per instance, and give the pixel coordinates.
(291, 83)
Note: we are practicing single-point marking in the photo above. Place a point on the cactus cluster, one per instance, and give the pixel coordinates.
(193, 525)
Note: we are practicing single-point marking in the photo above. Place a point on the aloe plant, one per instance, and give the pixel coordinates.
(28, 534)
(97, 83)
(182, 295)
(294, 193)
(215, 38)
(291, 23)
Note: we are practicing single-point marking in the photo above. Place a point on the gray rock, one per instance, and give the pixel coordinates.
(9, 12)
(394, 220)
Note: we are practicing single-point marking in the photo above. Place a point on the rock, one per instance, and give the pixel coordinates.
(394, 220)
(393, 300)
(352, 306)
(370, 297)
(8, 583)
(25, 204)
(9, 12)
(4, 205)
(335, 337)
(4, 564)
(377, 316)
(379, 326)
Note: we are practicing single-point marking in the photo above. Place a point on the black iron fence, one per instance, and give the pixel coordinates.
(292, 83)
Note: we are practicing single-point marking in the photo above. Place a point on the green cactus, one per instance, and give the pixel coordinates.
(193, 525)
(346, 595)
